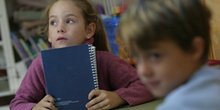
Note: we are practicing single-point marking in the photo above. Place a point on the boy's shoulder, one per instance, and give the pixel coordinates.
(201, 92)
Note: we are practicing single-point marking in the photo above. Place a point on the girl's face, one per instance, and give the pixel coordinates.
(66, 25)
(164, 66)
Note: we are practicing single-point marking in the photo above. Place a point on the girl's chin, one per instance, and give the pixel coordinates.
(62, 46)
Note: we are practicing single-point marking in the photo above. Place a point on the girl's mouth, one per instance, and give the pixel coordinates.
(61, 39)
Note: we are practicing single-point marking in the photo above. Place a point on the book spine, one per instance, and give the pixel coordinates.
(17, 50)
(33, 43)
(43, 44)
(16, 41)
(19, 46)
(40, 46)
(26, 49)
(92, 53)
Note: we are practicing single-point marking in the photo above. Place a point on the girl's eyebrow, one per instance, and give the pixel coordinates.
(54, 16)
(71, 15)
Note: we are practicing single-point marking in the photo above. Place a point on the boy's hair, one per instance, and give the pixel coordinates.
(149, 21)
(90, 16)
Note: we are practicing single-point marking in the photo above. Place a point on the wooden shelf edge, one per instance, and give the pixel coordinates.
(7, 93)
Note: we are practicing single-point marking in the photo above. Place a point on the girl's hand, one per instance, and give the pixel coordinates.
(104, 100)
(46, 103)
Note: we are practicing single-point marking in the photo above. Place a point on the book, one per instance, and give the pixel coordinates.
(34, 3)
(27, 49)
(43, 44)
(70, 74)
(27, 15)
(34, 43)
(19, 48)
(18, 45)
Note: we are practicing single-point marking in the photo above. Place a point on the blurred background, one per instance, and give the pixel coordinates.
(20, 44)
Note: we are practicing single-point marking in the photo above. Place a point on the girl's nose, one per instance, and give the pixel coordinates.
(61, 28)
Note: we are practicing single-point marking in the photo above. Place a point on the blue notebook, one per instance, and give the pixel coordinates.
(70, 74)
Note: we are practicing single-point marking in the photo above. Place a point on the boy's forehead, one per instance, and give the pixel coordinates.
(156, 45)
(152, 44)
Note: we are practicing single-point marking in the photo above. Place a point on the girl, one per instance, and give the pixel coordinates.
(70, 23)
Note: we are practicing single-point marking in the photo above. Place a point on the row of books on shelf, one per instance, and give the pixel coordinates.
(28, 48)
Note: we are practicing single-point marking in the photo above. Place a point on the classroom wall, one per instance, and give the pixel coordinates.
(214, 5)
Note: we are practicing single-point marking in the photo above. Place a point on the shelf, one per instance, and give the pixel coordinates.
(4, 86)
(4, 107)
(7, 93)
(8, 85)
(1, 43)
(2, 67)
(3, 78)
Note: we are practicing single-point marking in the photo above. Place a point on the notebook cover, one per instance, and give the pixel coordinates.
(69, 76)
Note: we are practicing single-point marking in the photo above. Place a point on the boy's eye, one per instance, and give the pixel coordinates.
(53, 23)
(154, 56)
(135, 58)
(69, 21)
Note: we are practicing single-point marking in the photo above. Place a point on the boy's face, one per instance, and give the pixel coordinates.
(164, 66)
(66, 25)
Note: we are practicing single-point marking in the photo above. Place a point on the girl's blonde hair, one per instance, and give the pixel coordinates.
(90, 16)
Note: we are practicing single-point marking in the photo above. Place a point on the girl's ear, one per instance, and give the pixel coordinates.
(90, 30)
(198, 47)
(49, 39)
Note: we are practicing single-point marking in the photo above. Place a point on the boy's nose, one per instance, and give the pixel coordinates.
(61, 28)
(144, 69)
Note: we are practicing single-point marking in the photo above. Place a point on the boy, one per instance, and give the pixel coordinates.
(171, 41)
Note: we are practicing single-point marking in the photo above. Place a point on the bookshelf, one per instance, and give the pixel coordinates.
(1, 43)
(8, 83)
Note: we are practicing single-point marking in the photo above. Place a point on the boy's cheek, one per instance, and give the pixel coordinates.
(143, 79)
(143, 69)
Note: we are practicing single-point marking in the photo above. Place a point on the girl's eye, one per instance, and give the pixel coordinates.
(69, 21)
(53, 23)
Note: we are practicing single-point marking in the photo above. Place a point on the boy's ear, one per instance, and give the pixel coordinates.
(90, 30)
(198, 47)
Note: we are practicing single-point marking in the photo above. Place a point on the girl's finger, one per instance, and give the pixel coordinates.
(101, 105)
(94, 92)
(94, 101)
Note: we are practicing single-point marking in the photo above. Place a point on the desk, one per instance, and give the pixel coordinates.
(146, 106)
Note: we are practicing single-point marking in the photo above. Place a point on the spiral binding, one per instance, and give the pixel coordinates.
(92, 53)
